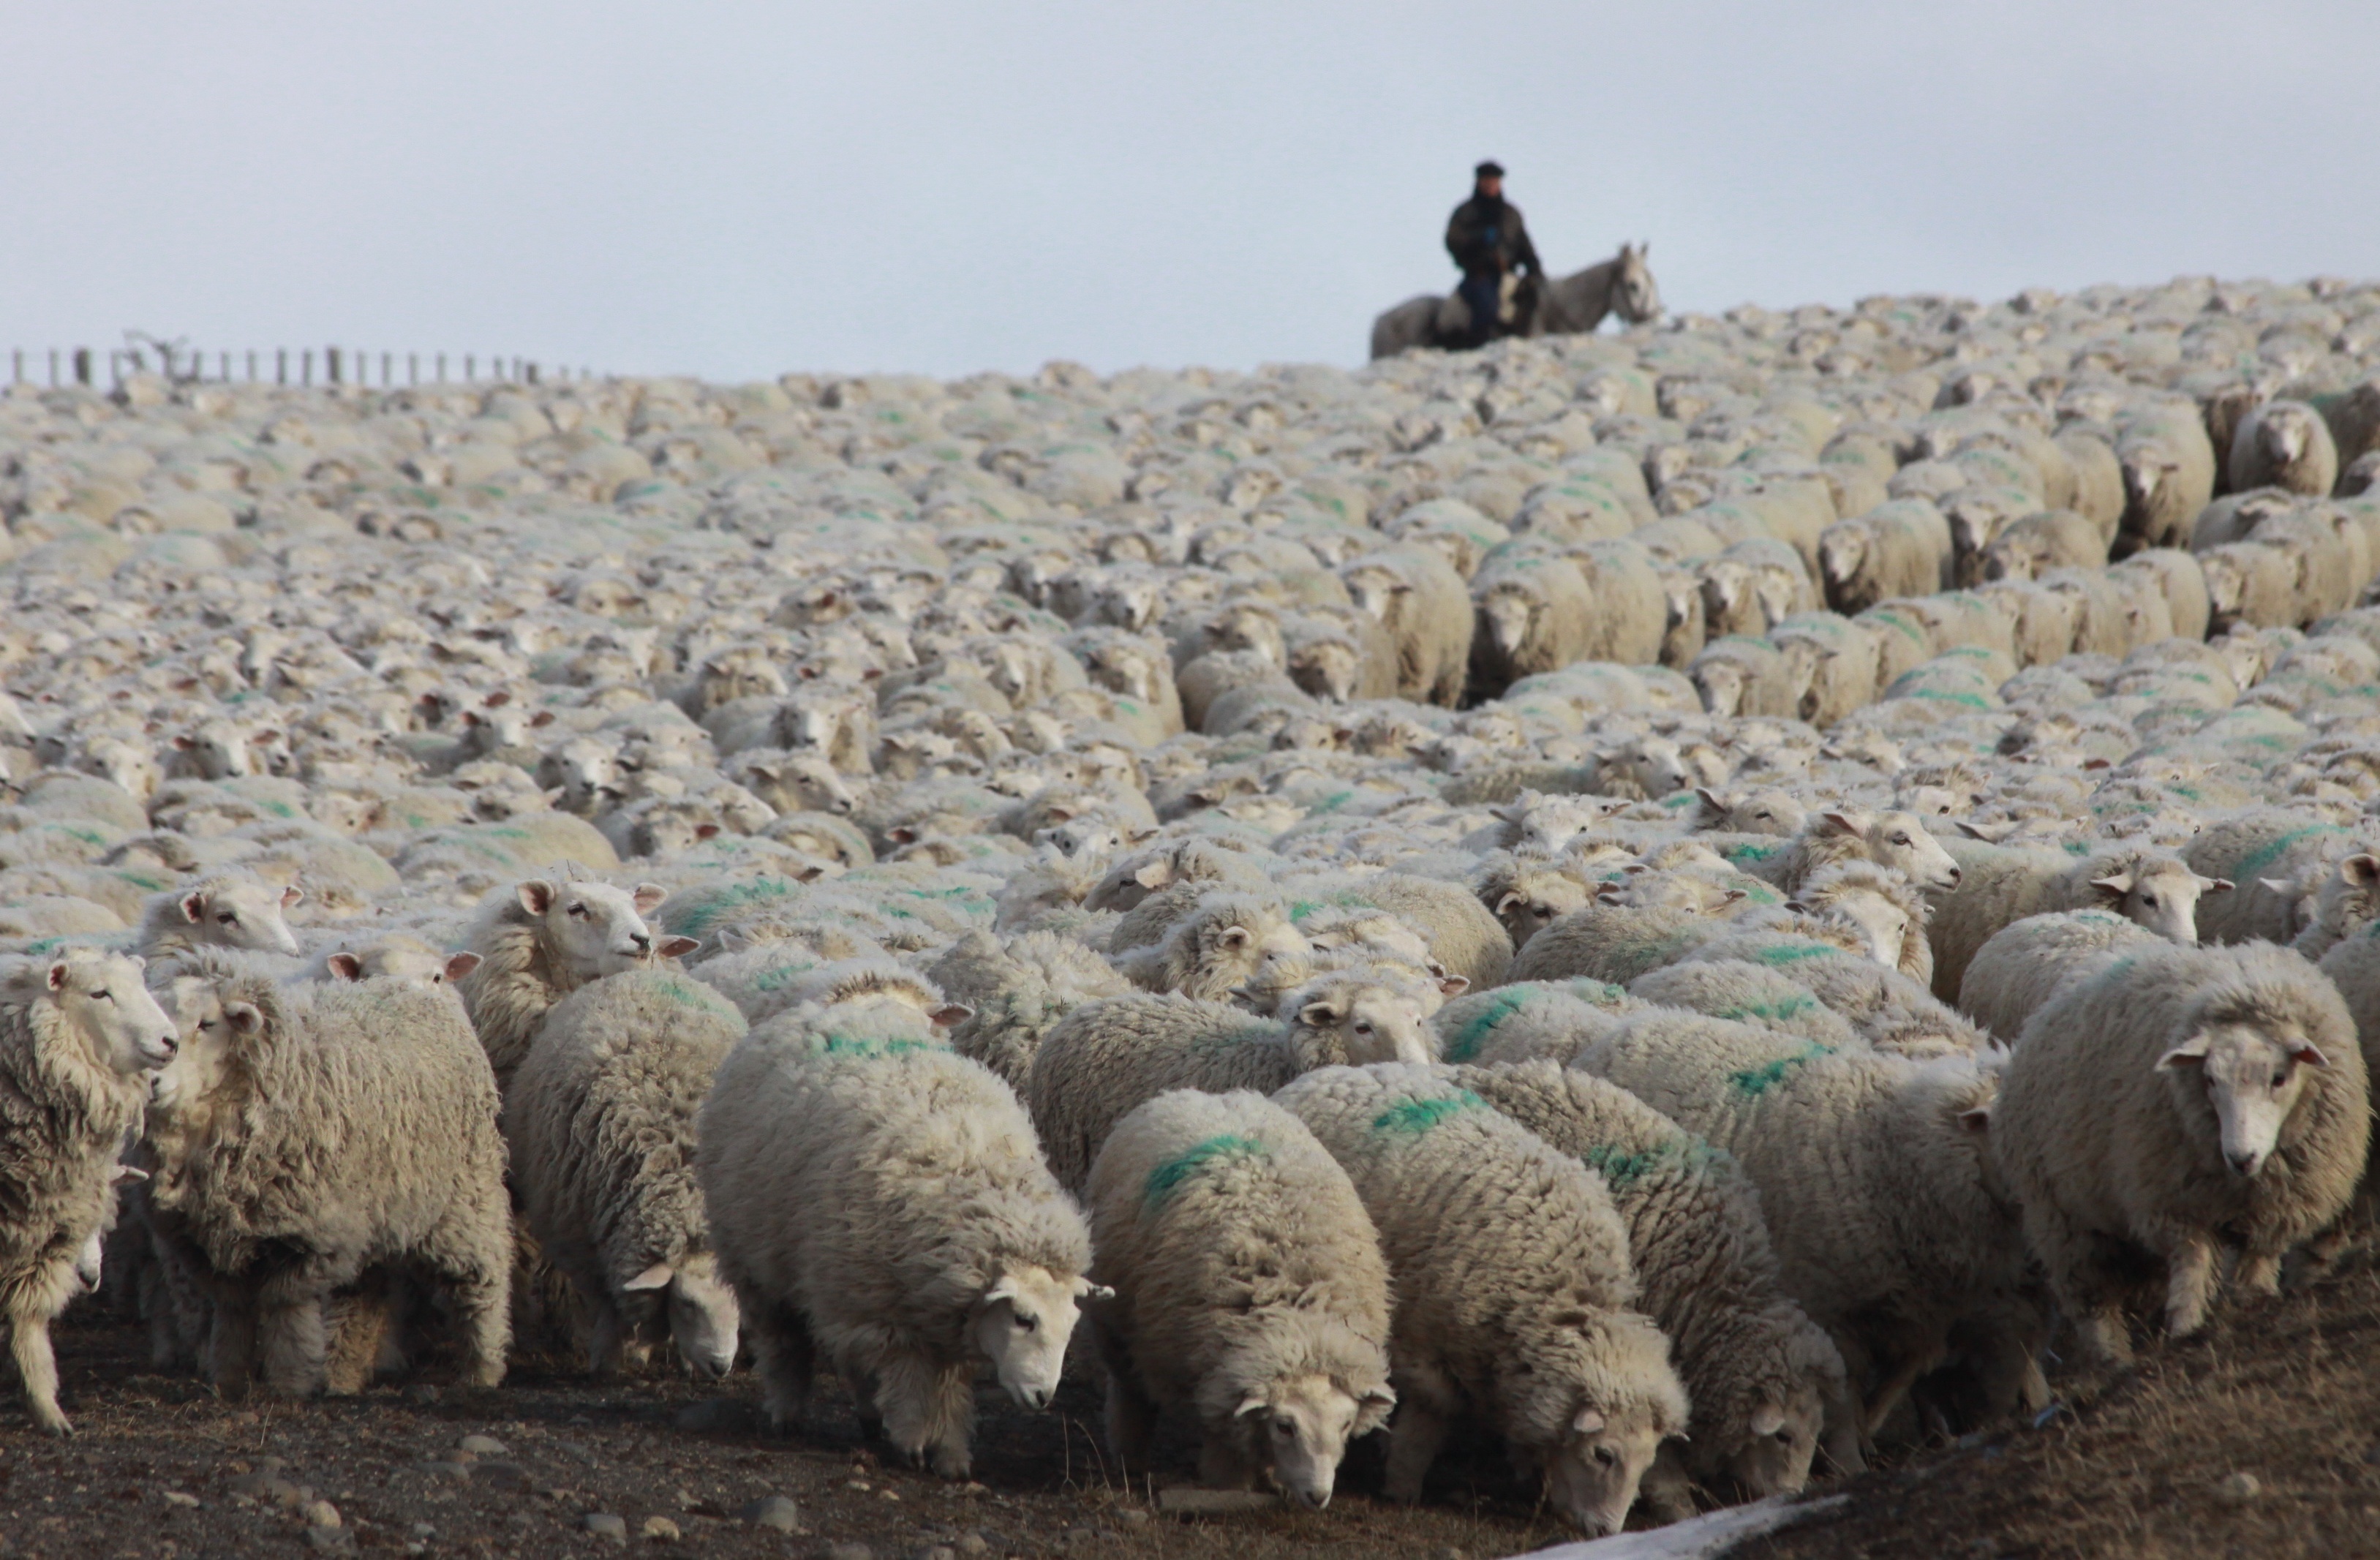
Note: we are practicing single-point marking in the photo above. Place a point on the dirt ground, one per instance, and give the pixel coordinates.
(2259, 1440)
(2147, 1464)
(147, 1444)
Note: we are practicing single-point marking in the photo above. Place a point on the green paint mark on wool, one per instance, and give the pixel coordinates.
(869, 1046)
(2078, 847)
(1749, 852)
(1754, 1081)
(43, 945)
(780, 977)
(1783, 1008)
(1163, 1179)
(1419, 1116)
(2255, 865)
(1794, 953)
(1619, 1167)
(89, 837)
(1972, 701)
(1683, 798)
(1467, 1040)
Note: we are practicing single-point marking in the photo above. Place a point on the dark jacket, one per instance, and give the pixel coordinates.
(1486, 237)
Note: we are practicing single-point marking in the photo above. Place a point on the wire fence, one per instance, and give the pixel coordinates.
(181, 363)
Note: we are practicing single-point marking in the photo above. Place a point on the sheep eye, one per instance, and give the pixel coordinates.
(579, 911)
(2149, 901)
(206, 1024)
(2280, 1079)
(1026, 1324)
(103, 996)
(1607, 1457)
(1900, 839)
(228, 919)
(1284, 1427)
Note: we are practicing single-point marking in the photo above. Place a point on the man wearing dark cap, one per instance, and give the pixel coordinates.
(1487, 237)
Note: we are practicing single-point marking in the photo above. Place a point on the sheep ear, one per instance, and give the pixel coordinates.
(647, 897)
(904, 835)
(1003, 1288)
(1797, 907)
(1090, 1293)
(1732, 896)
(2362, 870)
(1453, 985)
(2307, 1054)
(535, 896)
(2214, 885)
(676, 948)
(291, 895)
(245, 1018)
(657, 1277)
(1320, 1015)
(950, 1015)
(1768, 1419)
(461, 964)
(2281, 886)
(2190, 1053)
(2114, 885)
(1236, 937)
(344, 966)
(1710, 799)
(57, 977)
(1840, 823)
(194, 908)
(1588, 1421)
(183, 743)
(705, 831)
(1251, 1404)
(1507, 903)
(1978, 1120)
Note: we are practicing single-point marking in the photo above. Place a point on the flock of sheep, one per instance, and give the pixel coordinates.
(1654, 898)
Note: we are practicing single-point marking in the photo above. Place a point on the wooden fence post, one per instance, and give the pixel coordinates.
(82, 365)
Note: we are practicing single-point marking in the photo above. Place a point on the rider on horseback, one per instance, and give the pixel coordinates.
(1488, 238)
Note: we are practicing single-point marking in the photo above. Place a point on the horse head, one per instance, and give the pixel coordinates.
(1635, 296)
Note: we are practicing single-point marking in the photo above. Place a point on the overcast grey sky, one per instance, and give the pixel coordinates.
(740, 188)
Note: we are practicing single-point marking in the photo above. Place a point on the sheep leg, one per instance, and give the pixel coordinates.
(1896, 1388)
(233, 1344)
(1665, 1490)
(1413, 1443)
(292, 1343)
(358, 1325)
(783, 1358)
(2079, 1280)
(1222, 1460)
(606, 1336)
(2189, 1279)
(1131, 1415)
(474, 1255)
(2259, 1274)
(37, 1364)
(929, 1410)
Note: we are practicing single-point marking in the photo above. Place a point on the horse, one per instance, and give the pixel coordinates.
(1570, 305)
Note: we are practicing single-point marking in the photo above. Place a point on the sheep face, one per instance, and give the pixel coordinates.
(1784, 1436)
(1084, 839)
(241, 913)
(1328, 668)
(1301, 1427)
(2162, 898)
(399, 957)
(1549, 824)
(1355, 1023)
(1881, 926)
(802, 783)
(1509, 615)
(1534, 901)
(593, 929)
(203, 1051)
(2248, 1079)
(1593, 1473)
(1722, 686)
(88, 1261)
(703, 1317)
(103, 1001)
(1659, 766)
(1841, 550)
(1900, 841)
(1022, 1325)
(1374, 590)
(2349, 897)
(217, 749)
(1254, 963)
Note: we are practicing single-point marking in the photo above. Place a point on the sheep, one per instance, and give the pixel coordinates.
(1468, 941)
(1881, 904)
(1017, 988)
(347, 1126)
(1752, 586)
(1888, 1213)
(2169, 472)
(2031, 547)
(1514, 1294)
(78, 1035)
(1614, 943)
(1106, 1057)
(2000, 885)
(1838, 964)
(393, 956)
(600, 1120)
(1760, 1373)
(1534, 615)
(2284, 444)
(1227, 941)
(2346, 900)
(1527, 1021)
(1745, 677)
(1894, 839)
(953, 1245)
(1630, 604)
(2024, 963)
(1762, 810)
(1249, 1286)
(542, 938)
(2278, 857)
(1527, 894)
(1748, 993)
(1414, 592)
(2178, 1099)
(225, 911)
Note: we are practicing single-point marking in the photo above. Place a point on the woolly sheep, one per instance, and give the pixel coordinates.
(1527, 894)
(1762, 810)
(1534, 614)
(2168, 471)
(1895, 840)
(2024, 963)
(1468, 941)
(953, 1245)
(350, 1125)
(2000, 885)
(2031, 547)
(1514, 1293)
(1614, 943)
(1760, 1373)
(1895, 550)
(222, 912)
(2346, 899)
(1744, 676)
(2284, 444)
(1526, 1019)
(600, 1119)
(542, 938)
(1418, 598)
(1888, 1009)
(1249, 1286)
(2180, 1100)
(2278, 858)
(1882, 905)
(1018, 988)
(1885, 1207)
(1228, 942)
(1106, 1057)
(392, 956)
(1748, 993)
(76, 1034)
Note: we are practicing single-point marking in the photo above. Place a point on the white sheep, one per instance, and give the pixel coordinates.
(952, 1246)
(1249, 1287)
(542, 938)
(600, 1120)
(1514, 1293)
(2025, 961)
(2173, 1102)
(2000, 886)
(77, 1035)
(228, 910)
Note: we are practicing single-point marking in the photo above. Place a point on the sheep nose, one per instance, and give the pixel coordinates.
(1037, 1396)
(1955, 876)
(644, 943)
(170, 1044)
(2247, 1164)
